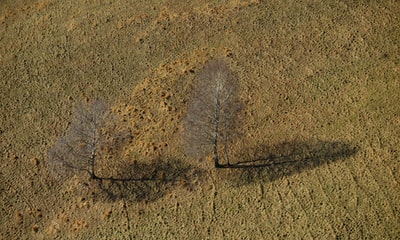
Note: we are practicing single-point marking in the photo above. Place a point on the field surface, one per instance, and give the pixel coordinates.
(320, 85)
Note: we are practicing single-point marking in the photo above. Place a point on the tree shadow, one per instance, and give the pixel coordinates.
(272, 162)
(150, 181)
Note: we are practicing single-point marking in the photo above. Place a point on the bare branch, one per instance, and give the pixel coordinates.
(212, 111)
(79, 149)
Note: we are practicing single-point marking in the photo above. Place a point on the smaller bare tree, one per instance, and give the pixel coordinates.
(211, 119)
(79, 149)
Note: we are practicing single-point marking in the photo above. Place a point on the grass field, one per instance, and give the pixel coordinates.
(319, 81)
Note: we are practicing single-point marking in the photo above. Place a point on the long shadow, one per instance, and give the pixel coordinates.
(272, 162)
(149, 181)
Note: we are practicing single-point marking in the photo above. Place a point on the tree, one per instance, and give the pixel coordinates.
(79, 149)
(212, 112)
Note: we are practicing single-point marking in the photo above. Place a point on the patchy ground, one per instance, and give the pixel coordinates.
(320, 82)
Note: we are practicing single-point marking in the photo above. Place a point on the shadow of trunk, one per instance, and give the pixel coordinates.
(287, 158)
(149, 181)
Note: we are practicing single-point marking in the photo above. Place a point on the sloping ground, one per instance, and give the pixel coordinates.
(320, 82)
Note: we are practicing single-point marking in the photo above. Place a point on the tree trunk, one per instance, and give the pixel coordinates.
(216, 130)
(216, 160)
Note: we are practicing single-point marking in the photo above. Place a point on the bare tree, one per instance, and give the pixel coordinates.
(79, 149)
(212, 113)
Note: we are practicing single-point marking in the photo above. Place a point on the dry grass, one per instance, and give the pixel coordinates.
(310, 72)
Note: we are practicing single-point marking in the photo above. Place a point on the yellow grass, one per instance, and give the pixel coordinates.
(311, 72)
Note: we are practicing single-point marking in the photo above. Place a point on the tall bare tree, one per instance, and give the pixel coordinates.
(79, 149)
(212, 113)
